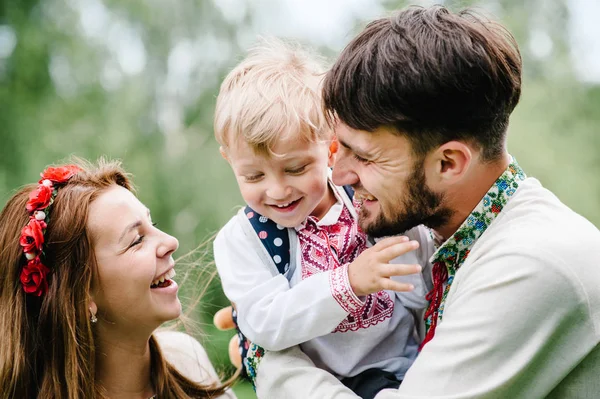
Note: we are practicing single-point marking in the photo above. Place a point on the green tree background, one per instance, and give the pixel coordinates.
(137, 80)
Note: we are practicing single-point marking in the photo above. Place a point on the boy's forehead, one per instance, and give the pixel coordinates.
(283, 150)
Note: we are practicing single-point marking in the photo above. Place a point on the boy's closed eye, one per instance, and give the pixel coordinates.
(298, 170)
(253, 178)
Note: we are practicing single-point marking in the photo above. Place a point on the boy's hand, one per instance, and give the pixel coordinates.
(371, 271)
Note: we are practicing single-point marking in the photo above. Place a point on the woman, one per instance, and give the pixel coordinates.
(85, 280)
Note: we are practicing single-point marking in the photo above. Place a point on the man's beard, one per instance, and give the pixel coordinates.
(420, 206)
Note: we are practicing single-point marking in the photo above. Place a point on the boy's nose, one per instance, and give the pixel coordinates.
(279, 192)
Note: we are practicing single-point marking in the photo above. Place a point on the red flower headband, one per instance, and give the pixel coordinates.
(34, 274)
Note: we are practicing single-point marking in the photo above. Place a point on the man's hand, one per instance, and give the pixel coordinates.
(371, 271)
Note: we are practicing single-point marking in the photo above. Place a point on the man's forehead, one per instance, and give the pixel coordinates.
(357, 141)
(381, 139)
(348, 137)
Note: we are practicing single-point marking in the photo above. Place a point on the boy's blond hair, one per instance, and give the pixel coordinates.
(273, 94)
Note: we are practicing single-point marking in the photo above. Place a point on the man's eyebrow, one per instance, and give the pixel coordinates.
(357, 151)
(132, 226)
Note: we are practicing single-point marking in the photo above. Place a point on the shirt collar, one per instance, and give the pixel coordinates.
(455, 250)
(333, 214)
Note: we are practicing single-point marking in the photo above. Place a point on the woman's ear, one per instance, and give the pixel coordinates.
(93, 308)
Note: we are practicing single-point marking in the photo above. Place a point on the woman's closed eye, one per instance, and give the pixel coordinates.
(138, 240)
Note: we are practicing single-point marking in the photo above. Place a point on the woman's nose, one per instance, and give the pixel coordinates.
(168, 245)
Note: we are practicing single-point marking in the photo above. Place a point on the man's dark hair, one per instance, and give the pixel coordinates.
(432, 75)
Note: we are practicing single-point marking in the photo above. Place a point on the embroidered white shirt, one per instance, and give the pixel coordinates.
(276, 313)
(522, 318)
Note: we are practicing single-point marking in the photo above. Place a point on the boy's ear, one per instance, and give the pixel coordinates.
(333, 148)
(223, 153)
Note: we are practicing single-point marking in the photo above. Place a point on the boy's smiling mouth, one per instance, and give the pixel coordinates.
(286, 207)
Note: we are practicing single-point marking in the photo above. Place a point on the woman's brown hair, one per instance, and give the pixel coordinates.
(48, 348)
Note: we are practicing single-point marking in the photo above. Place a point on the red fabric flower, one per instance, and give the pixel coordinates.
(59, 174)
(39, 198)
(32, 236)
(34, 277)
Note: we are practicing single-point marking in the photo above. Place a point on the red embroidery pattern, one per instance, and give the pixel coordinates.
(327, 248)
(342, 292)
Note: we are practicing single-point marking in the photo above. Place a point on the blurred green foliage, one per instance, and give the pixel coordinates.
(137, 80)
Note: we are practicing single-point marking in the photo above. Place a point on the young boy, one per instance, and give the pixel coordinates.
(329, 296)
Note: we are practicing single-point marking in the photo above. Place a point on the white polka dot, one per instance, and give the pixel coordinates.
(263, 219)
(277, 259)
(278, 241)
(280, 227)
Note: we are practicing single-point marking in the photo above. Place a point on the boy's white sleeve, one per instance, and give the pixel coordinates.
(270, 313)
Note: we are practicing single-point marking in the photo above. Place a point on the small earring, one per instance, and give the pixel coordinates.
(93, 318)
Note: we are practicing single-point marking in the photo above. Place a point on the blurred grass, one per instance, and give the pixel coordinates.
(244, 390)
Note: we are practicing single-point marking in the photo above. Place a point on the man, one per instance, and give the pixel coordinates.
(422, 101)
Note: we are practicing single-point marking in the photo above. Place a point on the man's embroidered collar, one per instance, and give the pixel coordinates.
(455, 250)
(450, 256)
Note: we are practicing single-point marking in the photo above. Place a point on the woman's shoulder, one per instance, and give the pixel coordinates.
(187, 355)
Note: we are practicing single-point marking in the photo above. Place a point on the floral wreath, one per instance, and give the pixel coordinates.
(34, 276)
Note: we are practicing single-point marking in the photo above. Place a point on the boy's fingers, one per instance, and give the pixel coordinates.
(392, 285)
(391, 269)
(393, 251)
(389, 241)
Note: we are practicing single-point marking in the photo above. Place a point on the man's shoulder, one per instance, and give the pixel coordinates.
(536, 218)
(541, 241)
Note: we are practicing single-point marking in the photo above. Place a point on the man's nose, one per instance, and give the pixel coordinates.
(343, 172)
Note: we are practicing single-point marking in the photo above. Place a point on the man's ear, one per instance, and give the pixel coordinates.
(451, 161)
(223, 153)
